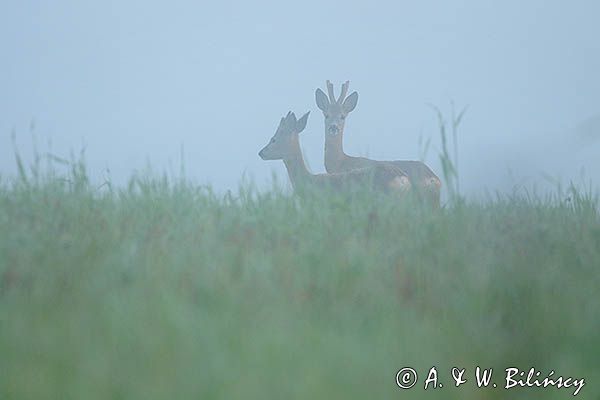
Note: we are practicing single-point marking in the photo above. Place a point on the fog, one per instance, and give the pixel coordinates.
(140, 83)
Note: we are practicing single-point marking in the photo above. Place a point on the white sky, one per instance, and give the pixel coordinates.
(135, 81)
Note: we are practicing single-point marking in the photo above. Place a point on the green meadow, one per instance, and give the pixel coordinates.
(163, 289)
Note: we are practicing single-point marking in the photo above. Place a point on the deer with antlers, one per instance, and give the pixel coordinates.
(285, 145)
(424, 182)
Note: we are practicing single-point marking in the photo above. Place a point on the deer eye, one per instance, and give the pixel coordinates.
(273, 140)
(343, 116)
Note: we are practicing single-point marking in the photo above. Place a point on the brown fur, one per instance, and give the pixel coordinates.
(424, 181)
(285, 145)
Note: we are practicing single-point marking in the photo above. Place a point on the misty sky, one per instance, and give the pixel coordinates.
(136, 81)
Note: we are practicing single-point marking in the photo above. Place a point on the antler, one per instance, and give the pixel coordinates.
(330, 92)
(344, 92)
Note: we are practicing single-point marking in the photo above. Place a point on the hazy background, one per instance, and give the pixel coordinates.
(136, 81)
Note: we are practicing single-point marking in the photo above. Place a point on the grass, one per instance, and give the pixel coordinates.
(163, 290)
(448, 160)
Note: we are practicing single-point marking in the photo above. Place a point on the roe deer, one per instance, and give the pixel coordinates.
(285, 145)
(423, 180)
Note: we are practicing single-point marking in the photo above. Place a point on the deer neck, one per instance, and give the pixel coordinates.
(296, 167)
(334, 152)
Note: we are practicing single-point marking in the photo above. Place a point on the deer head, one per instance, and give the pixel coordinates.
(284, 144)
(335, 111)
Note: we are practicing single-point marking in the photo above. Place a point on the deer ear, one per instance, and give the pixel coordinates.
(291, 120)
(350, 102)
(301, 124)
(322, 100)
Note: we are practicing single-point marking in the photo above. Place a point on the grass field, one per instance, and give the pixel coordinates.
(165, 290)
